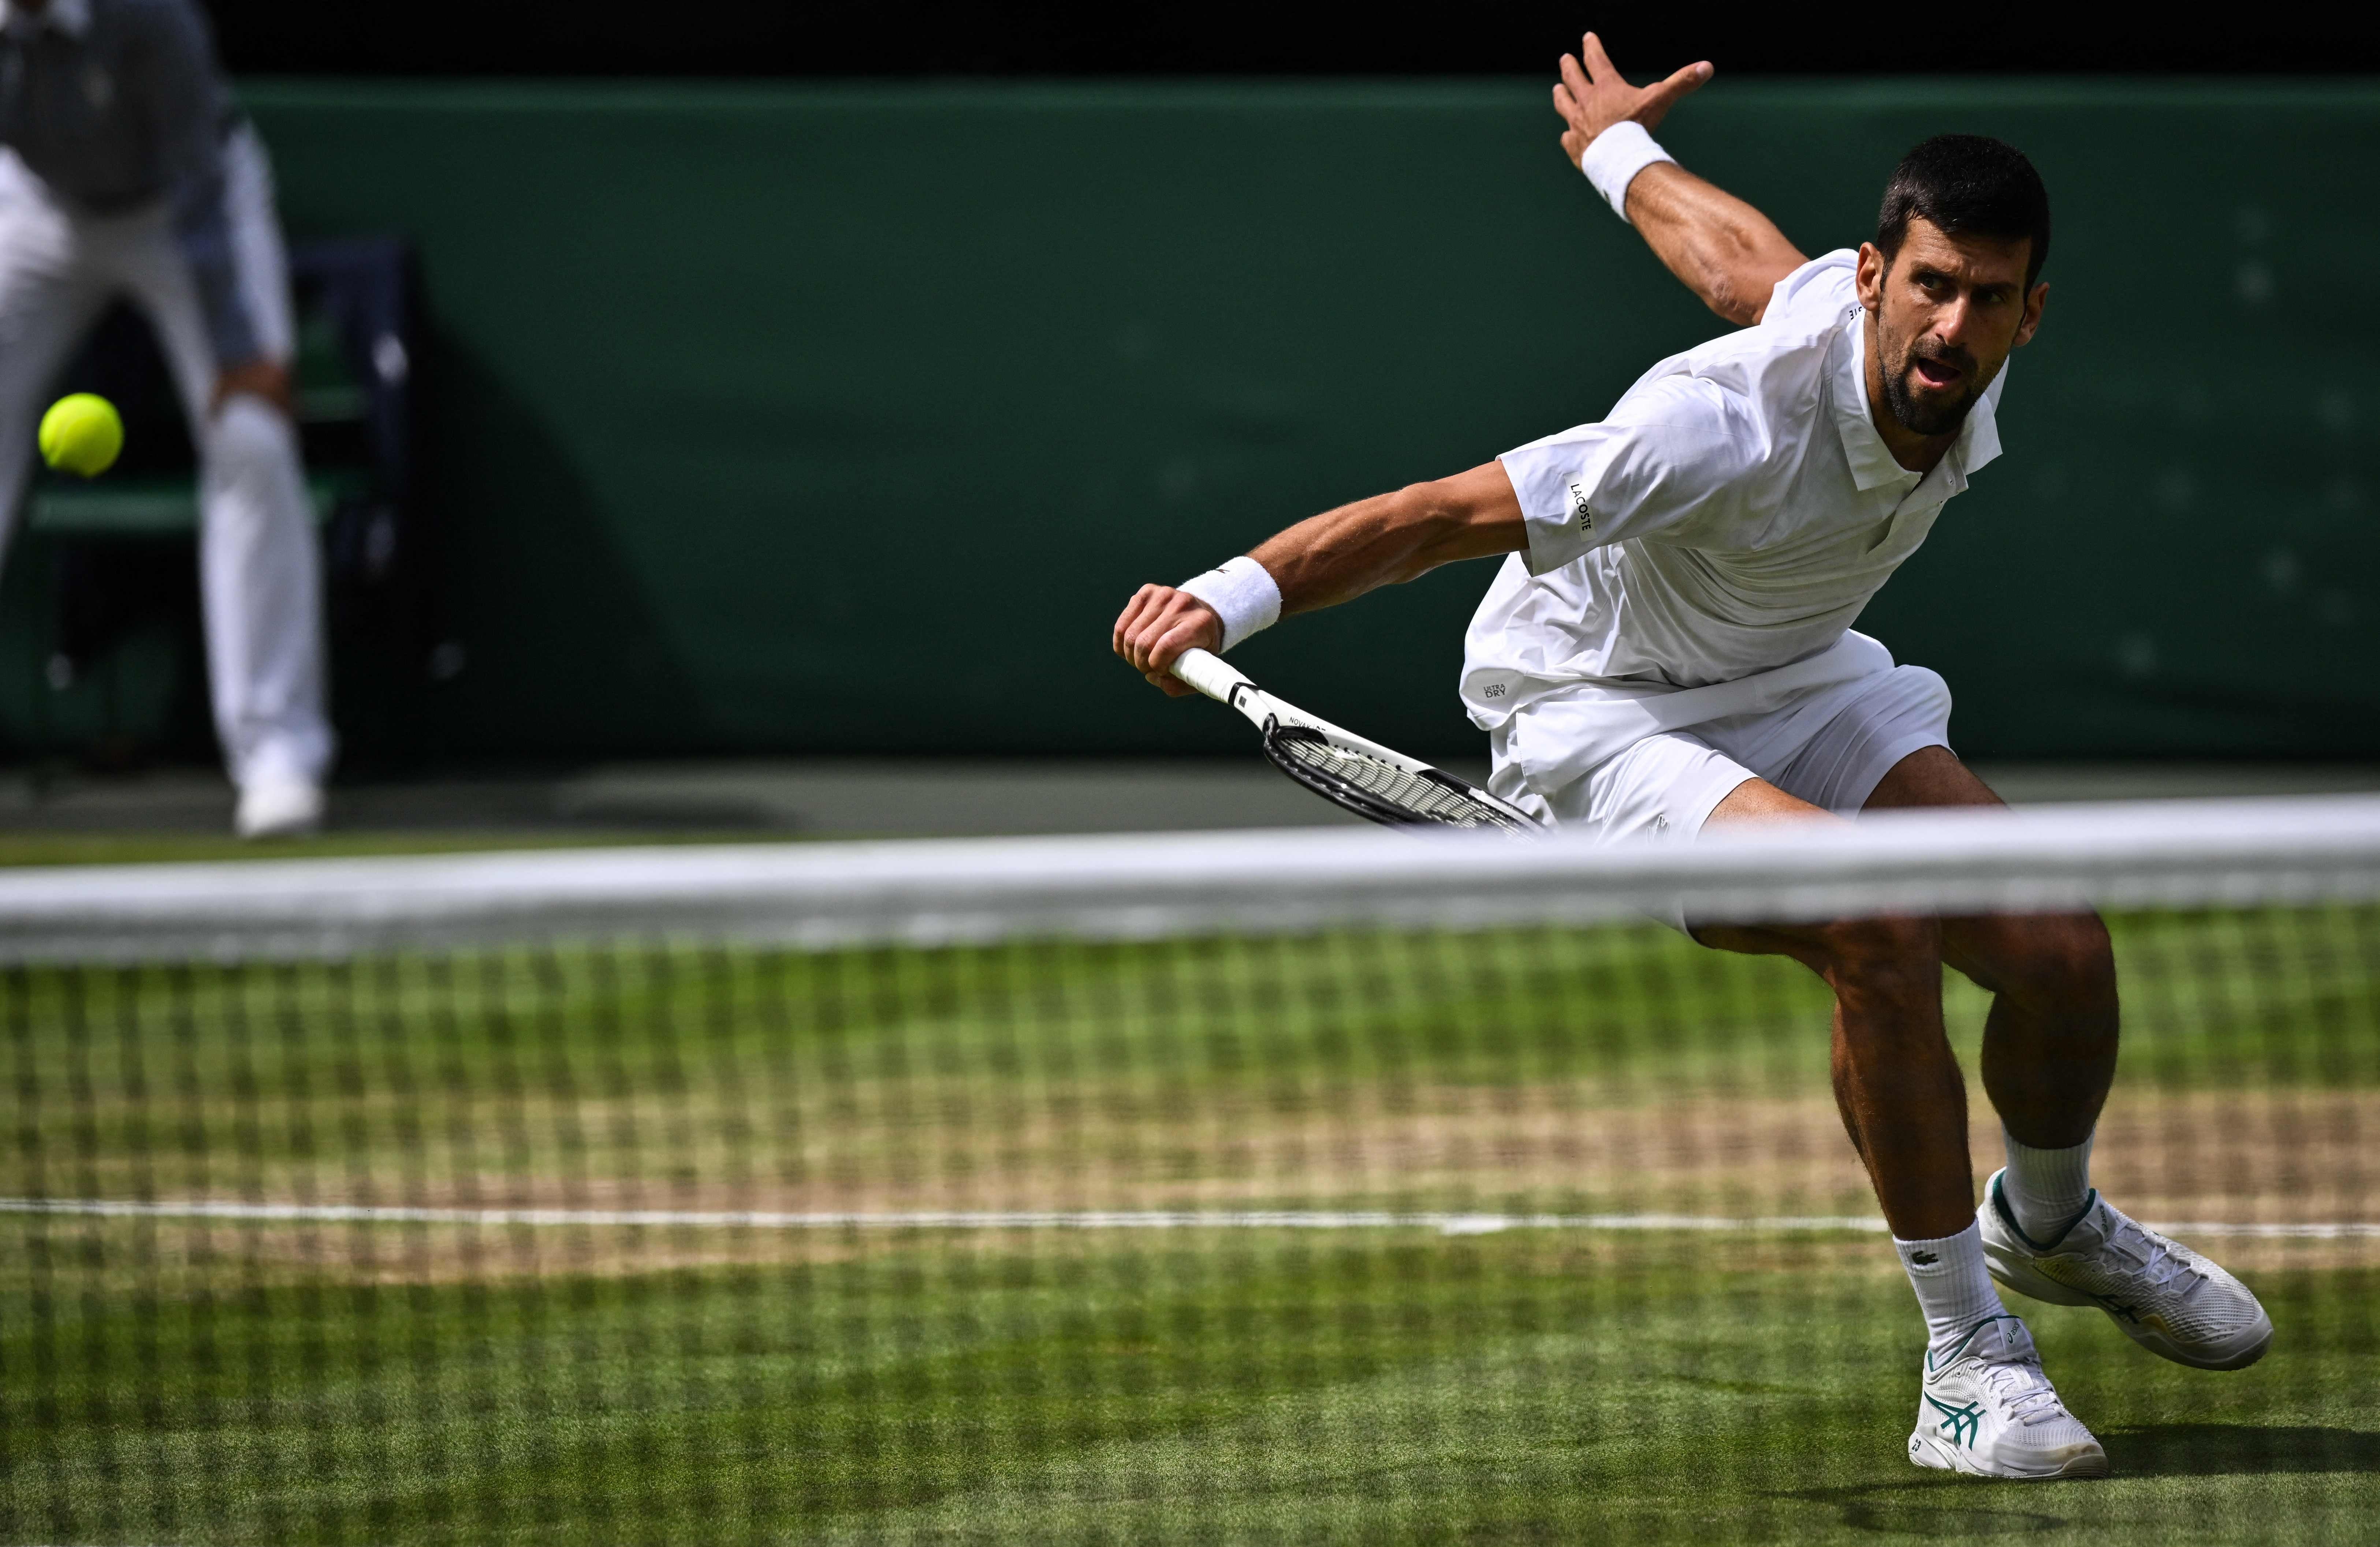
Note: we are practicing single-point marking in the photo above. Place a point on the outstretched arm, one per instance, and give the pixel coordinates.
(1724, 251)
(1336, 557)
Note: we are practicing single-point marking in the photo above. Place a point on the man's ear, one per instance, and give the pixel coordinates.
(2031, 322)
(1868, 276)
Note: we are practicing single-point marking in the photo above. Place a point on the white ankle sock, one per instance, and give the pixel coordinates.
(2045, 1188)
(1954, 1288)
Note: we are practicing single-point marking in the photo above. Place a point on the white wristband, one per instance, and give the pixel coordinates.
(1614, 157)
(1242, 593)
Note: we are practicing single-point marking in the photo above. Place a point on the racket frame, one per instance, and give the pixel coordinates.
(1227, 685)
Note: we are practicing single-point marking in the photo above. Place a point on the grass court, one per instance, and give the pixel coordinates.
(173, 1378)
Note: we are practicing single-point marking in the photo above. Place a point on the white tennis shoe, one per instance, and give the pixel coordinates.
(2166, 1298)
(1987, 1409)
(278, 808)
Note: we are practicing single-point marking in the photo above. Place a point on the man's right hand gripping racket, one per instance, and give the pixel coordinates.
(1343, 768)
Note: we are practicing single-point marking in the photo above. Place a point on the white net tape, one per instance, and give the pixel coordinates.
(2141, 855)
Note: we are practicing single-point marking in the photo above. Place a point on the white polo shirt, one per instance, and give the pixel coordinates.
(1719, 531)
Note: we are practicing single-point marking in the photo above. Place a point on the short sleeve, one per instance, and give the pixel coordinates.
(1669, 461)
(1815, 295)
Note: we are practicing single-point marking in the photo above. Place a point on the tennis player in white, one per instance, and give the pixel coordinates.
(1667, 648)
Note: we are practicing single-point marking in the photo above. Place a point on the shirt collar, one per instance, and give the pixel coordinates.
(71, 16)
(1871, 459)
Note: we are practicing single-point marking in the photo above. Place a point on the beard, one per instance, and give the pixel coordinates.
(1929, 415)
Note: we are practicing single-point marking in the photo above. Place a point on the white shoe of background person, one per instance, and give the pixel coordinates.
(279, 808)
(2166, 1298)
(1987, 1409)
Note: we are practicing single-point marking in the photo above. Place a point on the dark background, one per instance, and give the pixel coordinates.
(834, 407)
(844, 38)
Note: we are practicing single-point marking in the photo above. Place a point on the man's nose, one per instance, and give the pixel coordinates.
(1951, 322)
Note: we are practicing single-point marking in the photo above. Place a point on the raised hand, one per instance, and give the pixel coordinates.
(1594, 95)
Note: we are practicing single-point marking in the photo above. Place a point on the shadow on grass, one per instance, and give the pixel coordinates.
(2238, 1450)
(1916, 1507)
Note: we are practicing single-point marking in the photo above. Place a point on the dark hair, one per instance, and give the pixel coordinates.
(1968, 184)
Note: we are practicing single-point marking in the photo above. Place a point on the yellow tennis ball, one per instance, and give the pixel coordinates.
(82, 433)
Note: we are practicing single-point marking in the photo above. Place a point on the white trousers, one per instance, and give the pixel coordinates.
(259, 566)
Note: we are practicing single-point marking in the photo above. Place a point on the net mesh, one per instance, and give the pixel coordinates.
(1224, 1222)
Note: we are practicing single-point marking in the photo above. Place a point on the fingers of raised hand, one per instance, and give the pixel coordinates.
(1599, 64)
(1574, 80)
(1661, 98)
(1687, 76)
(1567, 104)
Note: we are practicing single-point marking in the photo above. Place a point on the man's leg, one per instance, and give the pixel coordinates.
(2049, 1056)
(1984, 1407)
(259, 563)
(48, 296)
(1898, 1085)
(2049, 1041)
(260, 579)
(1897, 1082)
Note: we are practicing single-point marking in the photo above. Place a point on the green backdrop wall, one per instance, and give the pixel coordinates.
(843, 420)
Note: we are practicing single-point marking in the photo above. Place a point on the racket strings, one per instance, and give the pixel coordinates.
(1377, 789)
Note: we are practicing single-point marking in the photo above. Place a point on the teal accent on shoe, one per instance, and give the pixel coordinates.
(1964, 1338)
(2000, 1206)
(1961, 1424)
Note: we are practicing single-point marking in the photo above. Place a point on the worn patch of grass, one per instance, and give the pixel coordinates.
(1438, 1071)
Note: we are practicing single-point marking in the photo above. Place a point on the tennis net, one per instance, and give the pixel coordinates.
(1319, 1185)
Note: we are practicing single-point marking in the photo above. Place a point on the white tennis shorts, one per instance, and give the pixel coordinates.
(1666, 785)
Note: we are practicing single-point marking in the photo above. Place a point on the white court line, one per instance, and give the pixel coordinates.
(1051, 1219)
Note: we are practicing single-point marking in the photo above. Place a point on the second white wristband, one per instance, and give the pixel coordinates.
(1242, 594)
(1614, 157)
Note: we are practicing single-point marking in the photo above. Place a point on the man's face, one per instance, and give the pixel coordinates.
(1946, 312)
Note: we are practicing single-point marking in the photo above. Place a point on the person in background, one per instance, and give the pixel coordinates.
(126, 170)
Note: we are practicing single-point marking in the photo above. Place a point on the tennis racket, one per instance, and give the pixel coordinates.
(1343, 768)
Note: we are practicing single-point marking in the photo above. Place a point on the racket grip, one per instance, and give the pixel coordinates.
(1206, 671)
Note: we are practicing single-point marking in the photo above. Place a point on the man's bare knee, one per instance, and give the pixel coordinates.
(2040, 960)
(1884, 940)
(1892, 954)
